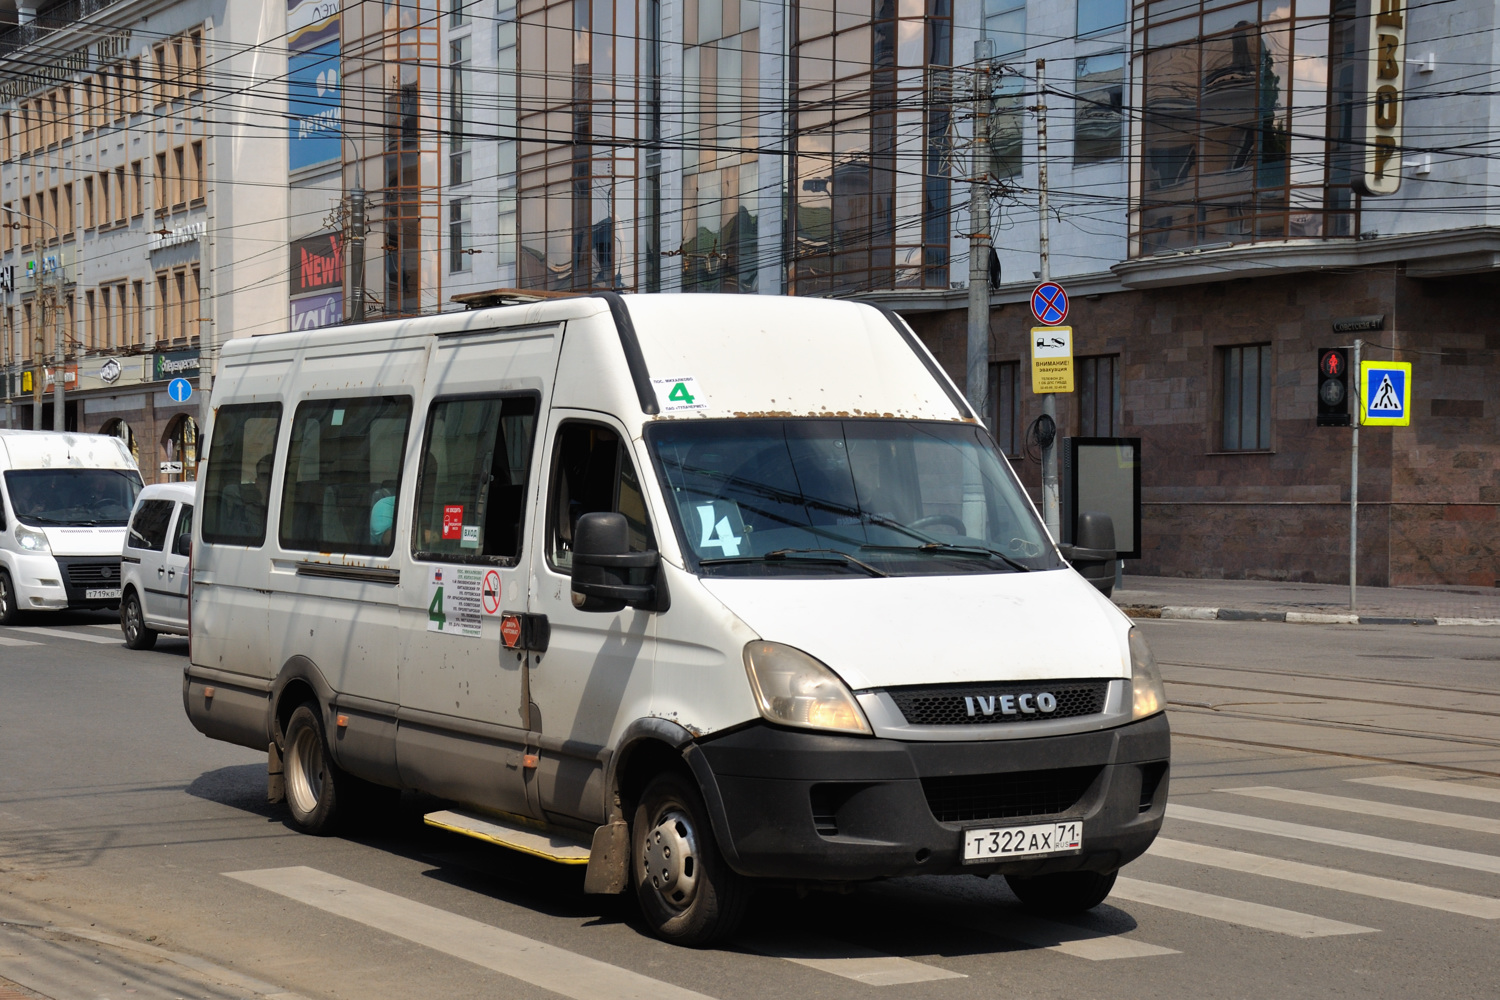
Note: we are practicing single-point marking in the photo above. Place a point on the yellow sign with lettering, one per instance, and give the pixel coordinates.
(1051, 359)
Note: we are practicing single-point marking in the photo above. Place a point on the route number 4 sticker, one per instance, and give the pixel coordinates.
(679, 394)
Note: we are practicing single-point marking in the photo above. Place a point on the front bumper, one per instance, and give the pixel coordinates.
(800, 805)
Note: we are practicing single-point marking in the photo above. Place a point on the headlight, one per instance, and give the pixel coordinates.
(794, 689)
(1147, 694)
(31, 540)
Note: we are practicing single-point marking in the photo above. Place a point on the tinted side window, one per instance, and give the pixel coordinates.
(238, 486)
(591, 473)
(148, 529)
(182, 538)
(471, 498)
(343, 475)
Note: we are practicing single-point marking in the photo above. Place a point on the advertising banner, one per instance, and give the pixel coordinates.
(317, 263)
(314, 119)
(318, 311)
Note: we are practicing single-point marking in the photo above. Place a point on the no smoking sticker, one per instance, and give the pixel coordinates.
(674, 394)
(490, 591)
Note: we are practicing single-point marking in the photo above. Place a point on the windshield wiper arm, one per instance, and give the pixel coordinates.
(799, 555)
(953, 548)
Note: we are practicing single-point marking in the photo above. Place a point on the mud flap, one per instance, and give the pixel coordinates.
(609, 860)
(275, 780)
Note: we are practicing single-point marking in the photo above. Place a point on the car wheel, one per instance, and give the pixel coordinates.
(687, 893)
(312, 779)
(1062, 893)
(133, 623)
(10, 611)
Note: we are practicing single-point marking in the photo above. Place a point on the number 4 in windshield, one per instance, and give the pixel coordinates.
(717, 534)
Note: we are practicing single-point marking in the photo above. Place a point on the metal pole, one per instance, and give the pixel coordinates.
(60, 377)
(977, 373)
(1051, 508)
(1354, 474)
(357, 253)
(39, 361)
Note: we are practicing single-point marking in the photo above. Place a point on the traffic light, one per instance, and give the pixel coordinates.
(1333, 387)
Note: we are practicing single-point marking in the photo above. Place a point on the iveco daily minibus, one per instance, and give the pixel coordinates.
(64, 503)
(696, 591)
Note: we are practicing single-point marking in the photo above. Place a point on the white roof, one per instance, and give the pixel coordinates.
(184, 492)
(56, 450)
(779, 356)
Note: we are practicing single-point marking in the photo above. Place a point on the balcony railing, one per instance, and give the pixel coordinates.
(55, 17)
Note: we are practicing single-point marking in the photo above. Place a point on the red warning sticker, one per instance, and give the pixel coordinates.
(453, 522)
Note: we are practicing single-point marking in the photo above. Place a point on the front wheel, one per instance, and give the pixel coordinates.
(312, 779)
(1062, 893)
(10, 611)
(133, 623)
(688, 894)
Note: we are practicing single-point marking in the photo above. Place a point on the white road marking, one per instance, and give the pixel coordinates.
(1329, 878)
(1411, 814)
(112, 626)
(1233, 911)
(1338, 838)
(547, 966)
(1069, 940)
(80, 636)
(851, 961)
(6, 640)
(1457, 789)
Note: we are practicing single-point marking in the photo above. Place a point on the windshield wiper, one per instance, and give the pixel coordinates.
(832, 557)
(44, 520)
(954, 549)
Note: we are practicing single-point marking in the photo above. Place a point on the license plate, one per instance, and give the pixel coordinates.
(992, 843)
(101, 594)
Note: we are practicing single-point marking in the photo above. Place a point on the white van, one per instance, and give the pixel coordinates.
(154, 565)
(64, 502)
(694, 590)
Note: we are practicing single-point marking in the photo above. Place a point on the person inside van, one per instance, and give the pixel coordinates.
(382, 519)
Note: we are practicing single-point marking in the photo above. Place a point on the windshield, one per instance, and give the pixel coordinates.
(77, 497)
(823, 497)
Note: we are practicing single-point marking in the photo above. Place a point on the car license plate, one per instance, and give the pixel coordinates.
(993, 843)
(101, 594)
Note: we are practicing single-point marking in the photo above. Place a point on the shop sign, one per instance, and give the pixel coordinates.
(1381, 56)
(318, 311)
(70, 379)
(108, 373)
(190, 233)
(174, 364)
(317, 263)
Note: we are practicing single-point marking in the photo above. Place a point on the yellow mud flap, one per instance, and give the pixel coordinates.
(553, 845)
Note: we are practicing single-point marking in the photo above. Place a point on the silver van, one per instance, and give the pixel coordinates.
(154, 564)
(697, 591)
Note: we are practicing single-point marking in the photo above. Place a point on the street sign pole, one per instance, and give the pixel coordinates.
(1051, 507)
(1354, 418)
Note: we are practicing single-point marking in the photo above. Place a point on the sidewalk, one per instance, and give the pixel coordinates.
(1268, 600)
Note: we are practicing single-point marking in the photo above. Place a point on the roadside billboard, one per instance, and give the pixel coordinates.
(314, 117)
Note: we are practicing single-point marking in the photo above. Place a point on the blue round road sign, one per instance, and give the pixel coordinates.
(1049, 303)
(179, 390)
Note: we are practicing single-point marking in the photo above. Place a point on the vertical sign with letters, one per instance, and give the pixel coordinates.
(1381, 27)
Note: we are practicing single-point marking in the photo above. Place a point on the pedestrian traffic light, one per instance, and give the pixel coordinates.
(1333, 387)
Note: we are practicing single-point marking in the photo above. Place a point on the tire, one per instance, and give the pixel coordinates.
(313, 781)
(133, 623)
(1062, 893)
(688, 894)
(10, 610)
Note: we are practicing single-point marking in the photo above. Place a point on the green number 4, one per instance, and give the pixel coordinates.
(680, 394)
(435, 609)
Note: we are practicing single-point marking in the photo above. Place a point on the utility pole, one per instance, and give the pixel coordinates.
(977, 371)
(60, 370)
(1050, 502)
(357, 214)
(1358, 408)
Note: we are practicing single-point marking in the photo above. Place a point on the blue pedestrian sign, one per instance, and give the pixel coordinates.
(1385, 393)
(179, 390)
(1049, 303)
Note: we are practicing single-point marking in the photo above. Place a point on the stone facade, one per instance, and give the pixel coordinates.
(1429, 493)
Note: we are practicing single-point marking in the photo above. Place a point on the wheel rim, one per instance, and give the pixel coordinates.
(304, 771)
(132, 620)
(670, 859)
(4, 595)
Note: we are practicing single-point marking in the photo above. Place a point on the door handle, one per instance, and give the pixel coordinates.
(160, 571)
(171, 574)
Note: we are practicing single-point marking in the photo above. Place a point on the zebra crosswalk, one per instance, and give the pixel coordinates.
(1332, 901)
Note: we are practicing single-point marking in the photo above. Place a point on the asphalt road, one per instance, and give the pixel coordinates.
(1334, 830)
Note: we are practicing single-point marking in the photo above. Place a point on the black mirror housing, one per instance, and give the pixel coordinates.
(602, 562)
(1093, 550)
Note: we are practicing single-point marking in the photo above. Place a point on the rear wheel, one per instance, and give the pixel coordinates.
(10, 611)
(133, 623)
(312, 779)
(688, 894)
(1062, 893)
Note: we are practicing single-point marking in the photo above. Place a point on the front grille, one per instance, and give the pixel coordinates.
(950, 704)
(966, 797)
(91, 573)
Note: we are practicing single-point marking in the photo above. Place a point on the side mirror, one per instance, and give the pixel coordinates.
(1093, 550)
(183, 545)
(602, 562)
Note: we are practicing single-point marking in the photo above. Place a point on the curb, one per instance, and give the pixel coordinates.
(1293, 617)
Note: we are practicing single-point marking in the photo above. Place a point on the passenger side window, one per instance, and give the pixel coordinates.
(237, 490)
(343, 475)
(592, 472)
(182, 538)
(148, 529)
(471, 496)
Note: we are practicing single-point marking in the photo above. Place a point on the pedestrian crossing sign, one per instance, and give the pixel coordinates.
(1385, 393)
